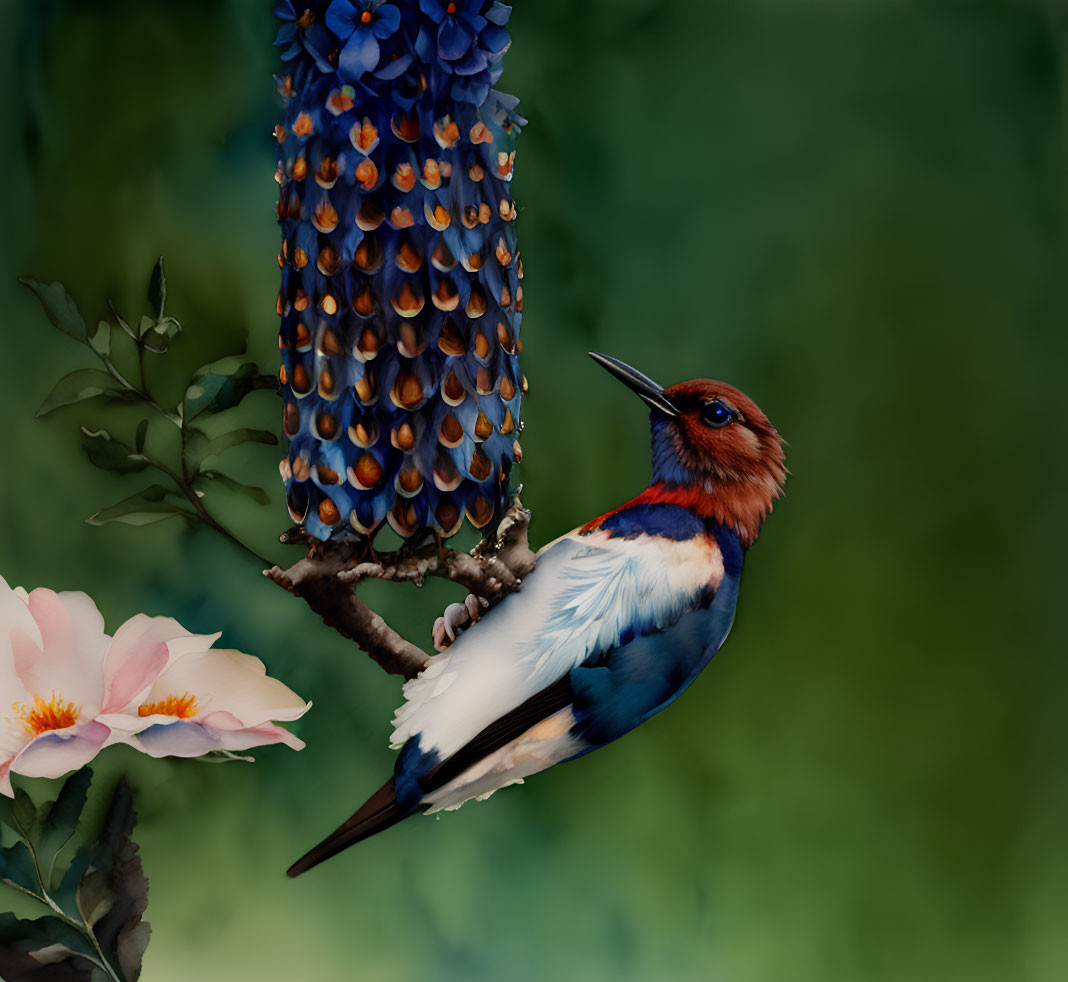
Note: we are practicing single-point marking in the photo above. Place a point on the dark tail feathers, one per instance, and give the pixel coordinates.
(377, 813)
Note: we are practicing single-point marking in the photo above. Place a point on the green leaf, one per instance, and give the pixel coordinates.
(121, 932)
(154, 504)
(158, 338)
(100, 342)
(25, 813)
(61, 822)
(258, 495)
(94, 896)
(7, 812)
(58, 306)
(222, 385)
(157, 288)
(86, 383)
(199, 445)
(17, 869)
(122, 323)
(139, 437)
(146, 325)
(110, 454)
(46, 949)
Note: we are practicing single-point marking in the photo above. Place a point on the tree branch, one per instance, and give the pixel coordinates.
(327, 577)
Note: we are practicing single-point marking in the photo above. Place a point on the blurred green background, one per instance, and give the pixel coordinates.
(856, 213)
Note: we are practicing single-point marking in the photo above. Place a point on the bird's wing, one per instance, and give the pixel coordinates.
(587, 595)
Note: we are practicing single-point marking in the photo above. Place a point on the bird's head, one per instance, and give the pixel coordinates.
(714, 450)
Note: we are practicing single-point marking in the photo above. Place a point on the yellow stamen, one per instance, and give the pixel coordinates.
(55, 714)
(182, 706)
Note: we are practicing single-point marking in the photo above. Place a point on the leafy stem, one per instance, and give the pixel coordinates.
(95, 912)
(213, 390)
(75, 922)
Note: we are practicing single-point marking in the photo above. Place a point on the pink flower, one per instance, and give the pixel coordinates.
(67, 689)
(206, 700)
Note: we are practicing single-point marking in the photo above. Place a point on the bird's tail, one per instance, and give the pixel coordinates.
(376, 814)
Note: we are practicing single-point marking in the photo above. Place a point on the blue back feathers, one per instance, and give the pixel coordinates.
(669, 521)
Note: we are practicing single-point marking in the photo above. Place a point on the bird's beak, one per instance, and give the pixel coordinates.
(649, 391)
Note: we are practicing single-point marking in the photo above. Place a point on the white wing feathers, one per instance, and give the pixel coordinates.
(585, 593)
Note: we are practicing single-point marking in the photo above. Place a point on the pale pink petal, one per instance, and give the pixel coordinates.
(140, 650)
(74, 644)
(259, 736)
(5, 779)
(14, 616)
(184, 738)
(178, 738)
(56, 752)
(232, 682)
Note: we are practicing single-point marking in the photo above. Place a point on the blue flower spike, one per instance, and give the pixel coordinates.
(401, 301)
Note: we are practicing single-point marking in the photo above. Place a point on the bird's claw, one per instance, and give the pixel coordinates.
(453, 621)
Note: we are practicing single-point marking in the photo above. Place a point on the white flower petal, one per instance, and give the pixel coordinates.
(185, 738)
(56, 752)
(67, 655)
(229, 681)
(140, 650)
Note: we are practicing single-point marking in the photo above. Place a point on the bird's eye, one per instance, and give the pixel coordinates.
(716, 414)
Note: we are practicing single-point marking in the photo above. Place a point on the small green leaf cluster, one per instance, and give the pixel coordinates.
(189, 474)
(95, 894)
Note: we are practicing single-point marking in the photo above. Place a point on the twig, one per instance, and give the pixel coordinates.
(327, 576)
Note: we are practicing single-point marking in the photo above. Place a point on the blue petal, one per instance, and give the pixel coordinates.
(319, 44)
(387, 20)
(360, 54)
(342, 18)
(471, 63)
(392, 67)
(285, 11)
(454, 39)
(499, 13)
(434, 9)
(495, 39)
(425, 43)
(286, 34)
(472, 89)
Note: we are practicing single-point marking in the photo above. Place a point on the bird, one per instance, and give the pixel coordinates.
(617, 618)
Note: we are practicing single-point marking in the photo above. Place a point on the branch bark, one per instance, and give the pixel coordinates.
(327, 578)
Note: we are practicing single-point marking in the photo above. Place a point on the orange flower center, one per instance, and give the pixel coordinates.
(182, 706)
(450, 9)
(42, 716)
(366, 17)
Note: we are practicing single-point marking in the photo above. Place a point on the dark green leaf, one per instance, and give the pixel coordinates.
(222, 385)
(94, 896)
(7, 812)
(122, 323)
(58, 305)
(61, 822)
(256, 494)
(100, 342)
(25, 813)
(158, 338)
(86, 383)
(86, 858)
(110, 454)
(139, 438)
(16, 867)
(157, 288)
(46, 949)
(121, 930)
(154, 504)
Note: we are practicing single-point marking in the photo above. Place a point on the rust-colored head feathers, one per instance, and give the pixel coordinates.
(714, 450)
